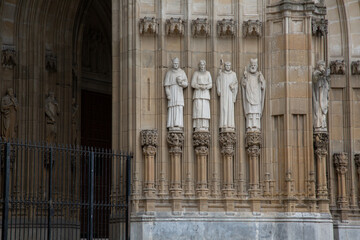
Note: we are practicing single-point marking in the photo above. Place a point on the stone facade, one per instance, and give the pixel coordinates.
(183, 176)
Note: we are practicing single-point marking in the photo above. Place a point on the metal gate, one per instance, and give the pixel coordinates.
(63, 192)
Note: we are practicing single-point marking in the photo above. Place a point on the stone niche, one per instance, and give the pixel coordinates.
(175, 27)
(252, 28)
(226, 28)
(201, 27)
(148, 26)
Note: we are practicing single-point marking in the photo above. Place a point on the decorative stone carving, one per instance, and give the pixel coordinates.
(341, 162)
(253, 88)
(321, 141)
(337, 67)
(75, 121)
(174, 83)
(201, 142)
(319, 27)
(175, 27)
(148, 26)
(252, 28)
(226, 28)
(149, 138)
(227, 89)
(227, 142)
(320, 96)
(52, 111)
(50, 62)
(355, 68)
(175, 141)
(9, 107)
(253, 145)
(200, 27)
(202, 83)
(8, 58)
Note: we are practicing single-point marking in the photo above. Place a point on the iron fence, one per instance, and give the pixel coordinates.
(63, 192)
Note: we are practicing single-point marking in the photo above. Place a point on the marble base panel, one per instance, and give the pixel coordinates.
(349, 230)
(241, 226)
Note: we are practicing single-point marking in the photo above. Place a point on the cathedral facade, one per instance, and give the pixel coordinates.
(242, 115)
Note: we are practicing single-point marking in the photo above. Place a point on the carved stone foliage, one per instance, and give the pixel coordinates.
(253, 143)
(226, 28)
(227, 142)
(175, 27)
(50, 61)
(252, 28)
(337, 67)
(201, 141)
(8, 56)
(149, 141)
(319, 27)
(355, 68)
(321, 141)
(200, 27)
(175, 141)
(148, 26)
(341, 162)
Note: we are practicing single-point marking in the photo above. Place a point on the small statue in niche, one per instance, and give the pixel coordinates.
(202, 83)
(175, 82)
(74, 120)
(51, 113)
(227, 89)
(253, 92)
(9, 107)
(320, 95)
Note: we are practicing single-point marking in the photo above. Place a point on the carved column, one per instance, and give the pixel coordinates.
(341, 162)
(253, 145)
(321, 140)
(227, 143)
(149, 143)
(357, 163)
(201, 144)
(175, 140)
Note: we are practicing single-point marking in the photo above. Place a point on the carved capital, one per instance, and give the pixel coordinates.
(321, 141)
(201, 141)
(8, 58)
(319, 27)
(175, 141)
(227, 142)
(341, 162)
(149, 137)
(175, 27)
(148, 26)
(226, 28)
(252, 28)
(50, 61)
(337, 67)
(200, 27)
(253, 139)
(355, 68)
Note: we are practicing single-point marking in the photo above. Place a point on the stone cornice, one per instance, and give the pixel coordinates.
(303, 6)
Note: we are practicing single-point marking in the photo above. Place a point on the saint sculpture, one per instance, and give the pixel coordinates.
(51, 113)
(227, 89)
(174, 83)
(9, 107)
(320, 96)
(202, 83)
(253, 93)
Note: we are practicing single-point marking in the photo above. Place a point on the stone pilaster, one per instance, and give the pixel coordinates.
(149, 143)
(175, 140)
(227, 143)
(253, 145)
(201, 145)
(341, 162)
(321, 141)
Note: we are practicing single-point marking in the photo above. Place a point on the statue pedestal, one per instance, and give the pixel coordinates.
(175, 140)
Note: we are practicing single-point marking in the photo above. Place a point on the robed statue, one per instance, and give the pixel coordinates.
(9, 107)
(174, 83)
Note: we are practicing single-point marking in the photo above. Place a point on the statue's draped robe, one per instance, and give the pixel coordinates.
(253, 95)
(201, 99)
(227, 88)
(320, 100)
(8, 109)
(174, 92)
